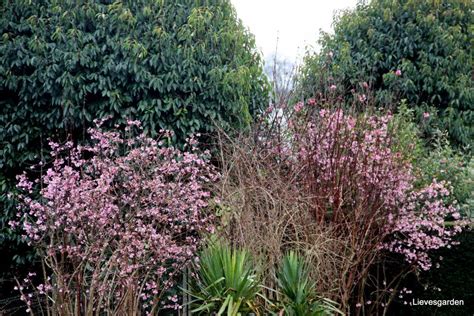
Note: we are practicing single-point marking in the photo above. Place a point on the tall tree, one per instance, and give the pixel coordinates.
(416, 50)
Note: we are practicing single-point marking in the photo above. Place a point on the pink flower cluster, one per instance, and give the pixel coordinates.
(118, 215)
(420, 225)
(356, 181)
(349, 164)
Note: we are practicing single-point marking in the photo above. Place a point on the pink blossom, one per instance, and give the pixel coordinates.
(398, 73)
(299, 106)
(347, 165)
(312, 101)
(141, 213)
(362, 98)
(420, 225)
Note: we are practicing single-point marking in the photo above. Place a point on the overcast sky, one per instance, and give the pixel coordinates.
(296, 23)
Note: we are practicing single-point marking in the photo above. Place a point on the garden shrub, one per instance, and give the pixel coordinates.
(434, 158)
(328, 182)
(115, 224)
(176, 65)
(417, 50)
(444, 163)
(357, 183)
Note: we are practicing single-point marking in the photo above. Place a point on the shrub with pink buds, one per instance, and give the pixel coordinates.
(357, 182)
(362, 189)
(117, 221)
(420, 227)
(349, 168)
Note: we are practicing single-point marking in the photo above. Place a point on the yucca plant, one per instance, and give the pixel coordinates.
(298, 290)
(225, 282)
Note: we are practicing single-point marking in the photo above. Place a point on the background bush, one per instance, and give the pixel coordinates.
(434, 158)
(174, 65)
(430, 42)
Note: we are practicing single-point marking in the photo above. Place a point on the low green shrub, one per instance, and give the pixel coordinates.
(225, 281)
(298, 290)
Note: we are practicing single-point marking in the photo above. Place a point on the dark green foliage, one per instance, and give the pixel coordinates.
(429, 41)
(179, 65)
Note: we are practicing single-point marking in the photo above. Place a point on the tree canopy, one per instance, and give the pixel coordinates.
(416, 50)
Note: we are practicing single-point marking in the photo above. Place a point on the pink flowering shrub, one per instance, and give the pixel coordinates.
(349, 168)
(354, 178)
(117, 221)
(420, 225)
(361, 191)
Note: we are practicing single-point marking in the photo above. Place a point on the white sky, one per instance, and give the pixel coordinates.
(296, 23)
